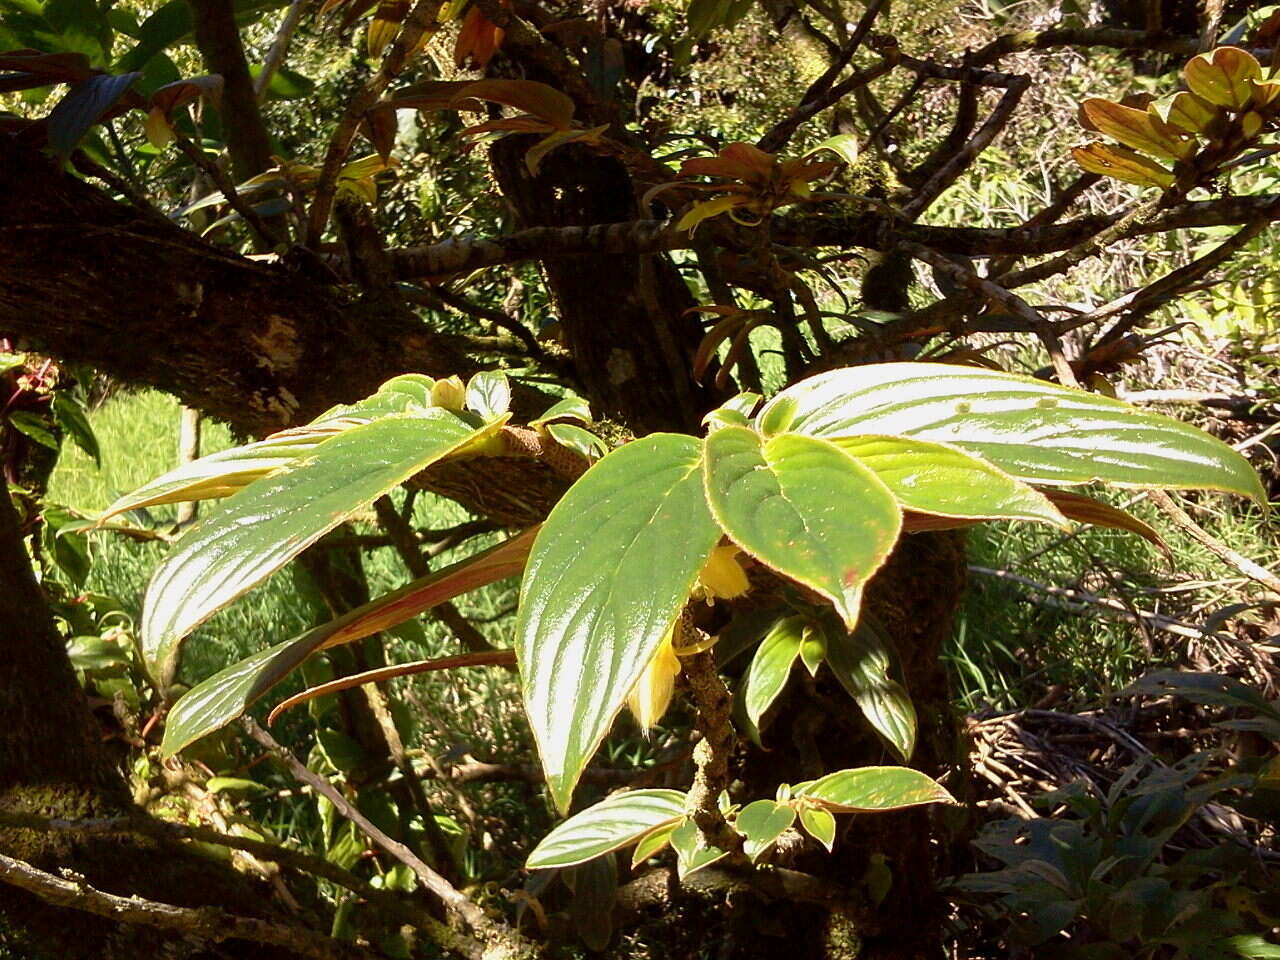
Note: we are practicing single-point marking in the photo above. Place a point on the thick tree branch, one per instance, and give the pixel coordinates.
(206, 923)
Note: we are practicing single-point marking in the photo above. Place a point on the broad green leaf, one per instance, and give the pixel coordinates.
(71, 417)
(803, 507)
(229, 471)
(735, 412)
(489, 394)
(610, 571)
(595, 893)
(938, 479)
(771, 665)
(96, 654)
(11, 361)
(271, 521)
(861, 660)
(761, 823)
(1037, 431)
(820, 824)
(652, 843)
(215, 702)
(612, 823)
(34, 426)
(580, 441)
(872, 789)
(692, 851)
(570, 408)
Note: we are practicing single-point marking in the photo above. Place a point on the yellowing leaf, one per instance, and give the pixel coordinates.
(708, 209)
(1139, 129)
(1122, 164)
(1223, 76)
(723, 576)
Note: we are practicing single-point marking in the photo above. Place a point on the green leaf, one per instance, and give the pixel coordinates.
(95, 654)
(819, 823)
(570, 408)
(271, 521)
(609, 573)
(614, 822)
(861, 660)
(813, 651)
(652, 843)
(941, 480)
(489, 394)
(692, 851)
(215, 702)
(34, 426)
(595, 893)
(578, 440)
(771, 665)
(761, 823)
(803, 507)
(1034, 430)
(873, 789)
(71, 417)
(11, 361)
(1252, 946)
(844, 146)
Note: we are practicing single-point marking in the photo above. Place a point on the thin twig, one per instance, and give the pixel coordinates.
(454, 901)
(279, 47)
(228, 190)
(1183, 521)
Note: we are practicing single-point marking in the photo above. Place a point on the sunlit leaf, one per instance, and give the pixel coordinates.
(761, 823)
(874, 789)
(612, 823)
(1140, 129)
(609, 574)
(943, 480)
(1099, 514)
(276, 517)
(708, 209)
(787, 501)
(1122, 164)
(215, 702)
(653, 843)
(1222, 76)
(1034, 430)
(692, 851)
(771, 665)
(844, 146)
(489, 394)
(819, 824)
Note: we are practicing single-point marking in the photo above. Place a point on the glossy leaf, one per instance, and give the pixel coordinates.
(1140, 129)
(861, 661)
(215, 702)
(570, 408)
(692, 851)
(277, 517)
(771, 665)
(1034, 430)
(1222, 76)
(609, 573)
(942, 480)
(786, 501)
(1122, 164)
(580, 441)
(612, 823)
(819, 823)
(761, 823)
(489, 394)
(653, 843)
(874, 789)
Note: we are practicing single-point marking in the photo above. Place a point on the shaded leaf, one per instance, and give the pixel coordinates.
(771, 665)
(86, 104)
(861, 661)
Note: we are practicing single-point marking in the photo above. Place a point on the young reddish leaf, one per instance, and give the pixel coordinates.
(1099, 514)
(1122, 164)
(542, 101)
